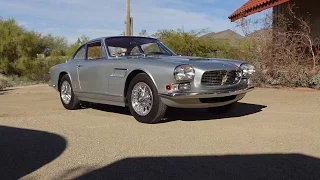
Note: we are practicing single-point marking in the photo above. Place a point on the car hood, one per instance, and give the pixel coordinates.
(203, 63)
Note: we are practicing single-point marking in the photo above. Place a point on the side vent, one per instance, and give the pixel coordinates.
(118, 72)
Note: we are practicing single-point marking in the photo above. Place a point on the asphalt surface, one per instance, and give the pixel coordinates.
(271, 134)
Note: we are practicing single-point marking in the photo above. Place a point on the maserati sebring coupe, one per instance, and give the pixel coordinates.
(143, 74)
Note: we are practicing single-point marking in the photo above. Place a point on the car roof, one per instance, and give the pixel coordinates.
(109, 37)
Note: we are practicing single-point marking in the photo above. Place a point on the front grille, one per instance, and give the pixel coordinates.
(220, 77)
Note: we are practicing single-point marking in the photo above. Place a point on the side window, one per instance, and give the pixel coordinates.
(81, 54)
(135, 50)
(150, 47)
(94, 51)
(117, 51)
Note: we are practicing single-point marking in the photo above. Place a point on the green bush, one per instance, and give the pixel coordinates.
(192, 44)
(18, 45)
(37, 69)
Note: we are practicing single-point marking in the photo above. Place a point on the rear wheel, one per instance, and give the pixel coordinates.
(67, 97)
(143, 100)
(221, 109)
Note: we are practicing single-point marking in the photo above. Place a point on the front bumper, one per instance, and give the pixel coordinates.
(220, 93)
(52, 85)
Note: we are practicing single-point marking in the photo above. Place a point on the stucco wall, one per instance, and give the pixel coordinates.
(307, 9)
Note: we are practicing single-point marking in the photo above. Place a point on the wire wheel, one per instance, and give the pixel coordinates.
(141, 99)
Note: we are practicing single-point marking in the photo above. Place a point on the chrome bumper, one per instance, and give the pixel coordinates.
(52, 85)
(205, 94)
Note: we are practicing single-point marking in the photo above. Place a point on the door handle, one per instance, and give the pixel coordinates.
(79, 65)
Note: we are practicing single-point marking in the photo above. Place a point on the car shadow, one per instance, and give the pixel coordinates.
(177, 114)
(112, 109)
(24, 151)
(239, 110)
(227, 167)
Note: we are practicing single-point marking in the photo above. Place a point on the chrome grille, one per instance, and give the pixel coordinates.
(220, 77)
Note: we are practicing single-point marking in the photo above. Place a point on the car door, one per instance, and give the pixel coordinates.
(93, 72)
(78, 57)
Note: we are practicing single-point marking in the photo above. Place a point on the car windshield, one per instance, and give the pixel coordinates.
(136, 46)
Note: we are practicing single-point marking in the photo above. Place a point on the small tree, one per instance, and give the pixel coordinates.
(304, 36)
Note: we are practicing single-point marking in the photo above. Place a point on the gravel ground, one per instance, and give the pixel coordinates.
(271, 134)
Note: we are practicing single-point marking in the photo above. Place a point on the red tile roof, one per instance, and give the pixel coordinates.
(254, 6)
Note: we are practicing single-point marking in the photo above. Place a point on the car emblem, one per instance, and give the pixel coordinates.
(224, 79)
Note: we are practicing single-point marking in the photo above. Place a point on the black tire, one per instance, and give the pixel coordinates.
(158, 108)
(74, 102)
(221, 109)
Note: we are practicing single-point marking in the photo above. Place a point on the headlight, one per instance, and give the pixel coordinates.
(247, 69)
(184, 72)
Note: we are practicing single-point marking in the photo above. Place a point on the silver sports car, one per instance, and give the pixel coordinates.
(145, 75)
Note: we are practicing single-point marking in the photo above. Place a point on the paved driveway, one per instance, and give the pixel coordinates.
(272, 134)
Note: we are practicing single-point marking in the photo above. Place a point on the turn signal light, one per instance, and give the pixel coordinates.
(178, 87)
(168, 87)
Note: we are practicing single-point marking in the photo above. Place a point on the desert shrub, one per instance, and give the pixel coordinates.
(20, 44)
(292, 76)
(193, 44)
(37, 69)
(315, 81)
(282, 54)
(5, 82)
(27, 55)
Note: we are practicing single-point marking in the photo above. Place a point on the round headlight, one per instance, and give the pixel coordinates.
(247, 69)
(184, 72)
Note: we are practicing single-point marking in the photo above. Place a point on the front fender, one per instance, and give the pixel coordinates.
(55, 73)
(161, 76)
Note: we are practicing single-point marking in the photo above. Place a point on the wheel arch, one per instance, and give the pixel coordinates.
(60, 77)
(131, 75)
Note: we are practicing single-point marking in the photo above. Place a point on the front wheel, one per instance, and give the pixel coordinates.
(143, 100)
(67, 96)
